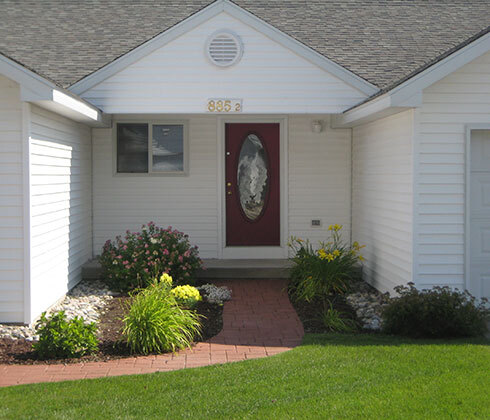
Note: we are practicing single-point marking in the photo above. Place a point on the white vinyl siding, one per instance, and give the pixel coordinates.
(319, 179)
(461, 98)
(179, 78)
(319, 186)
(61, 232)
(11, 204)
(382, 198)
(188, 203)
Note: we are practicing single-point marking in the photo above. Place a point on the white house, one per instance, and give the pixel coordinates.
(243, 123)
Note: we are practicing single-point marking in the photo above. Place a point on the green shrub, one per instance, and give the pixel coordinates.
(334, 320)
(134, 261)
(322, 272)
(437, 312)
(60, 338)
(186, 295)
(155, 323)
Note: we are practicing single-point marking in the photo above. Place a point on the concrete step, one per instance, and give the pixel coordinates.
(220, 269)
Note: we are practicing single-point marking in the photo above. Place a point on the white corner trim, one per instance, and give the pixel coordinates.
(409, 93)
(26, 202)
(467, 197)
(246, 17)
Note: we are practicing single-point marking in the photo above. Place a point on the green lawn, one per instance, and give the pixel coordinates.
(329, 376)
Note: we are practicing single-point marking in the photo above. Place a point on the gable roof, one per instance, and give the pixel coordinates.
(381, 41)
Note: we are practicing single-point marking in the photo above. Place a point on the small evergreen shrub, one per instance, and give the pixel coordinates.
(155, 322)
(439, 312)
(134, 261)
(60, 338)
(186, 295)
(328, 270)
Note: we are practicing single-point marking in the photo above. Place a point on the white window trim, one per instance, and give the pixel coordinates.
(151, 122)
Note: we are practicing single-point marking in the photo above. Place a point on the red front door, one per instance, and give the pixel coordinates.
(252, 184)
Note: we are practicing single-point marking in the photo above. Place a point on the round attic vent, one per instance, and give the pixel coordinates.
(224, 48)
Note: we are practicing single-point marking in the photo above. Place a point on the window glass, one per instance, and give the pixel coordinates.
(168, 148)
(132, 148)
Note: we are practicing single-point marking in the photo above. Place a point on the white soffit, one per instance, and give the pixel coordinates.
(46, 94)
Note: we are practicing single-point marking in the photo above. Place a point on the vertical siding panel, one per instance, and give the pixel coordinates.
(11, 204)
(382, 198)
(461, 98)
(61, 205)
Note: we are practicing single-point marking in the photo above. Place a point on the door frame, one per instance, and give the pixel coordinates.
(259, 252)
(467, 192)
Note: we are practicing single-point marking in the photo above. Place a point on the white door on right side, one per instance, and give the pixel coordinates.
(479, 284)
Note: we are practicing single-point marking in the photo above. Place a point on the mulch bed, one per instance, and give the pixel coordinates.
(110, 326)
(310, 313)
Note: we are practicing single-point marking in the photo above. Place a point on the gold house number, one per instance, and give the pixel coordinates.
(224, 105)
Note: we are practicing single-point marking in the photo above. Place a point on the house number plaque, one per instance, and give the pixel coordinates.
(223, 105)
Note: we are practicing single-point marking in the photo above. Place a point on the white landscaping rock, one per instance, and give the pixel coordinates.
(368, 304)
(87, 299)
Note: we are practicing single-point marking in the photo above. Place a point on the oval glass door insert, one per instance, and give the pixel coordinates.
(252, 177)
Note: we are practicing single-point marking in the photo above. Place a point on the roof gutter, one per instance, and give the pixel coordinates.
(44, 93)
(409, 94)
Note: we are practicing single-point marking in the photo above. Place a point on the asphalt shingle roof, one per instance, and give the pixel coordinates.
(382, 41)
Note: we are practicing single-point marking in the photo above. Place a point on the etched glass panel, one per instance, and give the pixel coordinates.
(252, 177)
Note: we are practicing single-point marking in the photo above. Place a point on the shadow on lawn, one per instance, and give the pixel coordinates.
(357, 340)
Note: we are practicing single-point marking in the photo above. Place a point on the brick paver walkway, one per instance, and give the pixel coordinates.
(259, 321)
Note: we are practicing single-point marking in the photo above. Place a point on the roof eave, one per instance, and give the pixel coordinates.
(408, 94)
(42, 92)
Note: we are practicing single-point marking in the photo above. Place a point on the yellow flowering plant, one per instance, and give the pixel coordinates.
(186, 295)
(323, 271)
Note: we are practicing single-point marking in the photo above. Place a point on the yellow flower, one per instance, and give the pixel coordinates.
(330, 227)
(355, 244)
(337, 227)
(186, 295)
(336, 253)
(361, 258)
(330, 257)
(166, 279)
(322, 254)
(300, 240)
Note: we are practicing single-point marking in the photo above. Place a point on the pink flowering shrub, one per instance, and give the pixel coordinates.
(134, 261)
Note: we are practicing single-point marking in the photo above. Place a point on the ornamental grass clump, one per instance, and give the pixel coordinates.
(155, 323)
(134, 261)
(319, 273)
(63, 338)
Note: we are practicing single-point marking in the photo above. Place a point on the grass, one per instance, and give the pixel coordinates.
(329, 376)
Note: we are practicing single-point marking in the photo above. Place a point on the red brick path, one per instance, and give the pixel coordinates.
(259, 321)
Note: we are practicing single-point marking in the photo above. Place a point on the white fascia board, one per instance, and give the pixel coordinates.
(409, 93)
(237, 12)
(301, 49)
(42, 92)
(147, 48)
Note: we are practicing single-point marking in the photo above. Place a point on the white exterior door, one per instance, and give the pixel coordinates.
(479, 284)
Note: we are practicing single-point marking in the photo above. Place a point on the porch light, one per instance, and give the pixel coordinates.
(316, 126)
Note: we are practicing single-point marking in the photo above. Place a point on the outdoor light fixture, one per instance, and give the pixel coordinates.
(316, 126)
